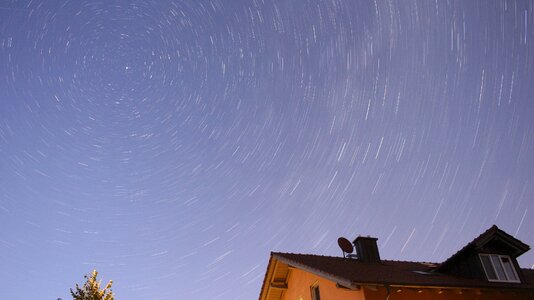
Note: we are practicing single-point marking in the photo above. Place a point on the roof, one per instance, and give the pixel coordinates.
(492, 233)
(352, 273)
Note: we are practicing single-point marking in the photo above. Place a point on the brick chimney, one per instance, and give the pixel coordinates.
(367, 249)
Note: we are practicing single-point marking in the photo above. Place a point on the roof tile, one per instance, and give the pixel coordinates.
(402, 273)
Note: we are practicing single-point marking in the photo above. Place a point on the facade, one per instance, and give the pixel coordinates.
(486, 268)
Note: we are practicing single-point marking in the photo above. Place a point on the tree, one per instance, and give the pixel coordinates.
(91, 289)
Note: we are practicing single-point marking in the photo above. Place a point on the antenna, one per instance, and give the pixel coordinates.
(345, 246)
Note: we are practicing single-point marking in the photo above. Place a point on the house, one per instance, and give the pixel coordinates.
(486, 268)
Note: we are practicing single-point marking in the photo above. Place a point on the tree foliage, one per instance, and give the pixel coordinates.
(91, 289)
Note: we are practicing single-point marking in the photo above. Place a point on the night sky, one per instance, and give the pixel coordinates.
(172, 144)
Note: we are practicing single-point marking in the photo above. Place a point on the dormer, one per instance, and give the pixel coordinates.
(492, 256)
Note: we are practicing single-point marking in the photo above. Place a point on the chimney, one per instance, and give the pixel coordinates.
(367, 249)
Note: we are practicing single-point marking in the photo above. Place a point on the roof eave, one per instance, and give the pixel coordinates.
(337, 279)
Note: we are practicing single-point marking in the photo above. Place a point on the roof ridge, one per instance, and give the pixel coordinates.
(307, 254)
(339, 257)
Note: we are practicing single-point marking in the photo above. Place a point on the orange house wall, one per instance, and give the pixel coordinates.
(299, 283)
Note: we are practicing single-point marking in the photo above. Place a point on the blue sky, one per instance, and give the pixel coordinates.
(173, 144)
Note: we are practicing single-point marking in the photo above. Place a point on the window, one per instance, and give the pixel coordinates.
(499, 268)
(315, 294)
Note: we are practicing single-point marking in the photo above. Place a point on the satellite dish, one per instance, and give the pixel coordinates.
(345, 245)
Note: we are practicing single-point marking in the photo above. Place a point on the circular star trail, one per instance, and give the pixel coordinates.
(172, 144)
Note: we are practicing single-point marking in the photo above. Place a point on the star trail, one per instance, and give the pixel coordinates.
(172, 145)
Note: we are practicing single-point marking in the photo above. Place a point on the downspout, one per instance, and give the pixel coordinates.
(388, 291)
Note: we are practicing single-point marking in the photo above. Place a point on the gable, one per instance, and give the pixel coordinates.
(300, 283)
(275, 281)
(493, 242)
(496, 244)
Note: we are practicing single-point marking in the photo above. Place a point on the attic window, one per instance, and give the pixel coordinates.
(499, 268)
(315, 294)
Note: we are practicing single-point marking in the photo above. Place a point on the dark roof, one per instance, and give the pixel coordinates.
(481, 240)
(351, 273)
